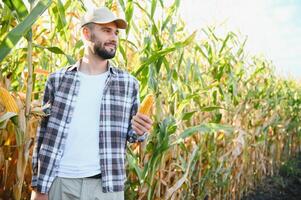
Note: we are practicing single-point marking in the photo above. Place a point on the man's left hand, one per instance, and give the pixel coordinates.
(141, 123)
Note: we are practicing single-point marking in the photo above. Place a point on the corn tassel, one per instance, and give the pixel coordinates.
(146, 105)
(8, 101)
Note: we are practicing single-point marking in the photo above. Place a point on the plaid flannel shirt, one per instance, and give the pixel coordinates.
(119, 104)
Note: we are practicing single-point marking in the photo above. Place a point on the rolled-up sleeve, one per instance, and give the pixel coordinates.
(132, 136)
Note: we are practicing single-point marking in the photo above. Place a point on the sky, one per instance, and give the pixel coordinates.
(273, 27)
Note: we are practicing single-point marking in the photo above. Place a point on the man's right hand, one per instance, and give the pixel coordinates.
(38, 196)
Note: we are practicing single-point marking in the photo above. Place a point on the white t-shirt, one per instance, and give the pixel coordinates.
(81, 154)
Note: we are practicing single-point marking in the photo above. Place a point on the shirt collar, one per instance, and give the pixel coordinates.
(75, 67)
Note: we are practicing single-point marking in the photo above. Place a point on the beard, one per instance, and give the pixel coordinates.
(101, 51)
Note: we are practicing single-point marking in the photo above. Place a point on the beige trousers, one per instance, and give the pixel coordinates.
(80, 189)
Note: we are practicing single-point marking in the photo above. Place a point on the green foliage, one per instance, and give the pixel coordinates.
(222, 118)
(21, 29)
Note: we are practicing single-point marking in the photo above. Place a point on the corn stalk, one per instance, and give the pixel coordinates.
(223, 120)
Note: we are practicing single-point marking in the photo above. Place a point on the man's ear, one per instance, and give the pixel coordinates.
(86, 33)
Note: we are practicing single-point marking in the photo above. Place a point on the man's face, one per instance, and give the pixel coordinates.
(104, 39)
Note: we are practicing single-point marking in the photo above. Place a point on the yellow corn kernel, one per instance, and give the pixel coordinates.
(146, 104)
(8, 101)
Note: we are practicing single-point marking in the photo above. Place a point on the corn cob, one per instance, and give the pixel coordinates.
(8, 101)
(146, 105)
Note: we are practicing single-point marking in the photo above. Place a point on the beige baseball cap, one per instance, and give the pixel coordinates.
(102, 15)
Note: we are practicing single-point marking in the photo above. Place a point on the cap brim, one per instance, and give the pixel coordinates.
(121, 23)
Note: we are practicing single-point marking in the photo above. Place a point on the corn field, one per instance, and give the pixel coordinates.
(222, 119)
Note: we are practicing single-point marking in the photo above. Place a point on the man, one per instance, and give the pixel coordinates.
(80, 147)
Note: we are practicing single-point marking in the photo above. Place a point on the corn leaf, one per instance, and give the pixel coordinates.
(5, 118)
(18, 6)
(21, 29)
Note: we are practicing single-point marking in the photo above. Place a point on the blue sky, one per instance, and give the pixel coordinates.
(273, 27)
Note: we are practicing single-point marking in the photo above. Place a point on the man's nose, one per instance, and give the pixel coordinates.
(114, 37)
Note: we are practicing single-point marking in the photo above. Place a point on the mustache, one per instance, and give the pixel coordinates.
(111, 43)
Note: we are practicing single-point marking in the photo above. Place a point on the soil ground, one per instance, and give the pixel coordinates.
(285, 186)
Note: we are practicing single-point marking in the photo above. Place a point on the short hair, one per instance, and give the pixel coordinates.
(90, 26)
